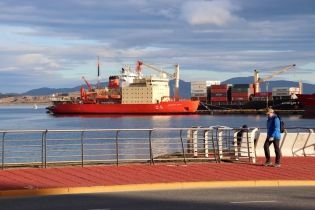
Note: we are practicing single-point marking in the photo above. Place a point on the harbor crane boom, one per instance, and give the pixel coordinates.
(257, 81)
(88, 84)
(175, 75)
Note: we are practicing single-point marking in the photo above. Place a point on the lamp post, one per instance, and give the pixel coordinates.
(267, 95)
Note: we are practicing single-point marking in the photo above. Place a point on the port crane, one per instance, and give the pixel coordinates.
(257, 80)
(175, 75)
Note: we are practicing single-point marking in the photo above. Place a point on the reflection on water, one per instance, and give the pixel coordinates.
(308, 116)
(106, 116)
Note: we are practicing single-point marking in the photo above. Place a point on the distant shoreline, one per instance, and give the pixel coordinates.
(24, 104)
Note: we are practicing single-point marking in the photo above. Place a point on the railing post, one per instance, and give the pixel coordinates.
(195, 142)
(189, 141)
(236, 145)
(3, 150)
(205, 142)
(219, 142)
(248, 147)
(252, 142)
(192, 141)
(151, 151)
(117, 156)
(82, 149)
(228, 141)
(43, 149)
(183, 149)
(213, 145)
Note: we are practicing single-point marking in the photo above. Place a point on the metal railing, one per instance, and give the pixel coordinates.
(41, 148)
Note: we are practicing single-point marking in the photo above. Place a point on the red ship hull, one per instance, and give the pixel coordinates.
(173, 107)
(308, 102)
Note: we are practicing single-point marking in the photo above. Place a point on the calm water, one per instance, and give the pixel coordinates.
(28, 118)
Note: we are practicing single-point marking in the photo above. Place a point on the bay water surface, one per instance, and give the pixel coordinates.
(25, 117)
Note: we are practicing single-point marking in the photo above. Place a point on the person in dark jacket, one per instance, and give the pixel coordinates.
(240, 135)
(273, 137)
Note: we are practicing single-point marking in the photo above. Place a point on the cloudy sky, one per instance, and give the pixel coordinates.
(53, 44)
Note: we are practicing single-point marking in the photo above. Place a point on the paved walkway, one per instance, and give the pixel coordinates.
(68, 180)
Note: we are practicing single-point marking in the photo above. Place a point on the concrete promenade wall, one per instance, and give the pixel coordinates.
(292, 144)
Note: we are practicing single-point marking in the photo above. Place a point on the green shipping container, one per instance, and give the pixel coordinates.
(241, 90)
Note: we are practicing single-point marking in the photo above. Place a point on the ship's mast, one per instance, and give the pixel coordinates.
(177, 81)
(267, 107)
(98, 72)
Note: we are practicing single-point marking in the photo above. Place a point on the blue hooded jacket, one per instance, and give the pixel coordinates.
(273, 127)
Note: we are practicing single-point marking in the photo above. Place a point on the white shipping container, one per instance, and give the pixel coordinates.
(280, 94)
(199, 91)
(285, 89)
(284, 93)
(207, 83)
(198, 95)
(198, 87)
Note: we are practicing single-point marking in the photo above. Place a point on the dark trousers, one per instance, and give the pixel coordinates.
(275, 143)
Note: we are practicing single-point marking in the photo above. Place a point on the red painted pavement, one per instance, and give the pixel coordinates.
(297, 168)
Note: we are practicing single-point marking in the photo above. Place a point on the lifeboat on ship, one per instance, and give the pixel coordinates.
(115, 96)
(102, 97)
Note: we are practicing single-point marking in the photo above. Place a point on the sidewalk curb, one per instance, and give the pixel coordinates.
(157, 186)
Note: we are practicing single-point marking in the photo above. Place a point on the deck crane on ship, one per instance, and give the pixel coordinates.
(257, 80)
(175, 76)
(88, 84)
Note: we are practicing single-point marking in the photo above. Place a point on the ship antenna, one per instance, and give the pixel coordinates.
(98, 71)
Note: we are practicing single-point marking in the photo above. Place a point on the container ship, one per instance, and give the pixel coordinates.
(229, 97)
(128, 93)
(308, 101)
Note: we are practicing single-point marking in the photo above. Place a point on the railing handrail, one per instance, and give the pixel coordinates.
(148, 129)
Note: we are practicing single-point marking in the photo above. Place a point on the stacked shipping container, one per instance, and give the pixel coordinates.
(200, 90)
(214, 91)
(263, 94)
(220, 93)
(285, 92)
(242, 92)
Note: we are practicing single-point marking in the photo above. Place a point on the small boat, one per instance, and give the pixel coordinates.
(35, 106)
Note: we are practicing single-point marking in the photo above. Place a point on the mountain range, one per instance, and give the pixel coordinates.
(184, 87)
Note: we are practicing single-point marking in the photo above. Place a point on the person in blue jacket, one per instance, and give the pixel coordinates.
(273, 137)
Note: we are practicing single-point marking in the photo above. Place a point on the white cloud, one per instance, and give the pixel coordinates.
(8, 69)
(310, 66)
(38, 61)
(138, 2)
(166, 12)
(209, 12)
